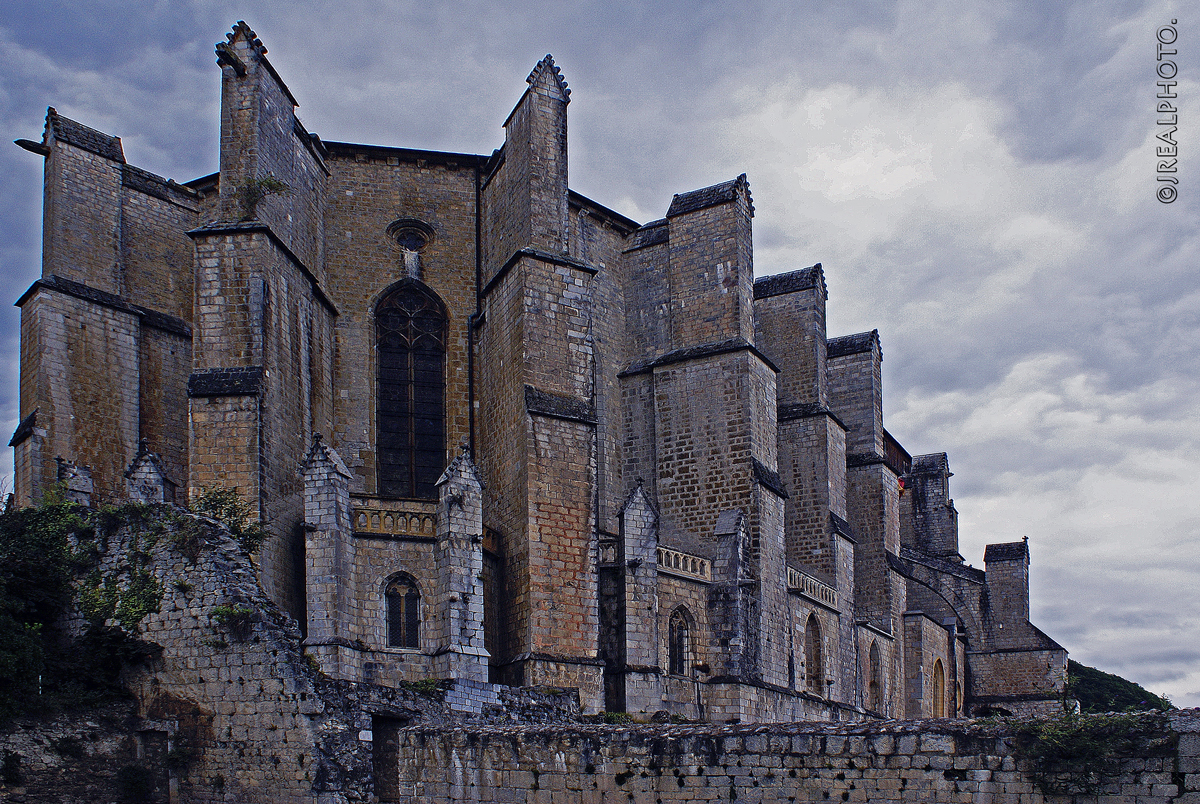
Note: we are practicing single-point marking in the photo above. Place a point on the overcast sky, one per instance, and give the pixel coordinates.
(977, 178)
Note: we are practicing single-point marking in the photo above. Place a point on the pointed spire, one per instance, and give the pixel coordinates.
(638, 498)
(461, 466)
(549, 76)
(145, 456)
(320, 452)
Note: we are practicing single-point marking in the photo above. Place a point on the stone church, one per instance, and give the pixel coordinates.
(503, 434)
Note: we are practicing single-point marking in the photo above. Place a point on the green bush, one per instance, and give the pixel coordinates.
(42, 668)
(1073, 754)
(238, 619)
(227, 507)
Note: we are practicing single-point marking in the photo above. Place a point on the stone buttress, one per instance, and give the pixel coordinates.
(329, 560)
(459, 651)
(263, 343)
(537, 430)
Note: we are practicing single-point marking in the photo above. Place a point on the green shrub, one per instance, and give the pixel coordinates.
(1073, 754)
(227, 507)
(42, 668)
(238, 619)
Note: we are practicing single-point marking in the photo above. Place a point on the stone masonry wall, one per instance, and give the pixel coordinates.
(918, 761)
(156, 253)
(371, 188)
(81, 210)
(232, 711)
(85, 366)
(246, 716)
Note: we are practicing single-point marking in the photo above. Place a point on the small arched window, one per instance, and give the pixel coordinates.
(874, 680)
(939, 689)
(403, 600)
(410, 441)
(679, 642)
(814, 659)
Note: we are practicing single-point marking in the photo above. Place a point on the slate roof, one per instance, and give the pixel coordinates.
(931, 464)
(721, 193)
(1009, 551)
(79, 135)
(651, 234)
(852, 344)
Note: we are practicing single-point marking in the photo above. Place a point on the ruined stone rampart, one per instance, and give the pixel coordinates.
(232, 710)
(912, 761)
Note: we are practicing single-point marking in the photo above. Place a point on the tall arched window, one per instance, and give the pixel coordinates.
(814, 660)
(874, 680)
(679, 644)
(410, 442)
(939, 689)
(403, 600)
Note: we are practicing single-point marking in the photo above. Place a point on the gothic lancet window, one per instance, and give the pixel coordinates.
(410, 330)
(814, 661)
(874, 687)
(939, 689)
(678, 643)
(403, 600)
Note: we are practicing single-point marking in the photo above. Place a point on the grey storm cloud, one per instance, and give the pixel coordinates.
(976, 178)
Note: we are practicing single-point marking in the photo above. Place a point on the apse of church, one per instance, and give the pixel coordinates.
(503, 434)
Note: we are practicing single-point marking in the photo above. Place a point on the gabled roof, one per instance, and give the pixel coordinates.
(549, 75)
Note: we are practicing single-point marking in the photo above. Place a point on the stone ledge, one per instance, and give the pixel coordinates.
(24, 429)
(245, 381)
(556, 406)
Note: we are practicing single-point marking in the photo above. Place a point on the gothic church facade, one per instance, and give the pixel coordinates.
(503, 434)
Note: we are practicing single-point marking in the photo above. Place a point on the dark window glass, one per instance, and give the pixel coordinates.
(403, 613)
(410, 331)
(874, 698)
(814, 662)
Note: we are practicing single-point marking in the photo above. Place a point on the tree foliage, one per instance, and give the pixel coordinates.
(1098, 691)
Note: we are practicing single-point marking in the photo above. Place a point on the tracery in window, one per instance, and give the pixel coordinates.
(410, 329)
(403, 599)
